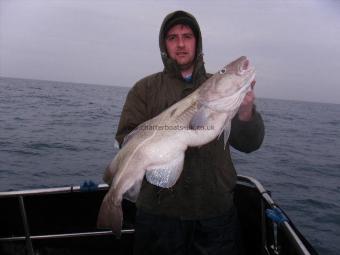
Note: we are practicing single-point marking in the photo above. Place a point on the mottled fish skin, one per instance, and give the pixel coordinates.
(156, 147)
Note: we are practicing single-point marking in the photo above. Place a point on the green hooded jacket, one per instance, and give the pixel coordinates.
(205, 187)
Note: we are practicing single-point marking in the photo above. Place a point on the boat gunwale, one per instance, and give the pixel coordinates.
(286, 225)
(56, 190)
(242, 180)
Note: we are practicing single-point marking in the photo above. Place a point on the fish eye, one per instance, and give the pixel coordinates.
(223, 71)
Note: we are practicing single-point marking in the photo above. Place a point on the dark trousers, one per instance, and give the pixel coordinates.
(163, 235)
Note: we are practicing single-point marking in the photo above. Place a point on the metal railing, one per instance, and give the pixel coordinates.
(267, 202)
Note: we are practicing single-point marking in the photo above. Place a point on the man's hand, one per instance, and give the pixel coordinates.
(245, 112)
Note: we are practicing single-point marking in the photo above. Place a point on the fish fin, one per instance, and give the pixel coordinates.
(166, 175)
(133, 192)
(226, 131)
(129, 136)
(111, 170)
(110, 216)
(200, 118)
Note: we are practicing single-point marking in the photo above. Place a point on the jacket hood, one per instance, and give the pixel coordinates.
(180, 17)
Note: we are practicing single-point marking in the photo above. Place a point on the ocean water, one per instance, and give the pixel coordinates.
(59, 134)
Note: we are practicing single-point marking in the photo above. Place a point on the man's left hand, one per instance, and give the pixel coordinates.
(245, 112)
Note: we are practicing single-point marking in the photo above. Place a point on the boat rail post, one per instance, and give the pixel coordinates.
(275, 246)
(28, 240)
(265, 250)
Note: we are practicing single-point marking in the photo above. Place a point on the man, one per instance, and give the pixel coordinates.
(196, 215)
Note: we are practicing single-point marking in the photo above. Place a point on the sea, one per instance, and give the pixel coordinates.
(56, 134)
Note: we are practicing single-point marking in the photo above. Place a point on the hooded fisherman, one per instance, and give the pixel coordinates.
(197, 214)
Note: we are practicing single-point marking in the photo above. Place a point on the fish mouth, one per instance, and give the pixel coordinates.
(245, 67)
(250, 78)
(248, 70)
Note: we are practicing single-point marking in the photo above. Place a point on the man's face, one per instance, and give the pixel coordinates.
(180, 44)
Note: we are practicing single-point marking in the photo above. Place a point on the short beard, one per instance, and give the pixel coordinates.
(184, 67)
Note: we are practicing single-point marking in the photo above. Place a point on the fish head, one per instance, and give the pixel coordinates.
(233, 79)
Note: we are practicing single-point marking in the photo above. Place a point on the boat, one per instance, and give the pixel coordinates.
(63, 221)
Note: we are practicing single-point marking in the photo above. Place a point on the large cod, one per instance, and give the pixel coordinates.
(155, 149)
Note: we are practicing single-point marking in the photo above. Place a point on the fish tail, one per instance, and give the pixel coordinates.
(110, 216)
(111, 170)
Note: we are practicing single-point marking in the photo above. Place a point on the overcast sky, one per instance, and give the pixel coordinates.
(294, 45)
